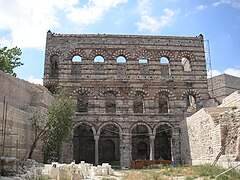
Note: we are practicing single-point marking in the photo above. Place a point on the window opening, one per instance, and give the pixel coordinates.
(163, 103)
(138, 103)
(77, 59)
(143, 60)
(164, 60)
(121, 59)
(99, 59)
(191, 104)
(186, 64)
(110, 103)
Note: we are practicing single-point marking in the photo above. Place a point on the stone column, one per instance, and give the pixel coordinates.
(175, 145)
(125, 148)
(152, 138)
(96, 138)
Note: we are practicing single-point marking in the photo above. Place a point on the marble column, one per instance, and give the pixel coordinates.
(96, 138)
(152, 138)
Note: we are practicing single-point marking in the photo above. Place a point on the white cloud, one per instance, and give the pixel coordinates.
(28, 20)
(201, 7)
(197, 9)
(31, 79)
(214, 73)
(5, 42)
(233, 3)
(150, 23)
(233, 71)
(92, 11)
(230, 71)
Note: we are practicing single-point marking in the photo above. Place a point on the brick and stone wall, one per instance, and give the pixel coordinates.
(18, 100)
(158, 81)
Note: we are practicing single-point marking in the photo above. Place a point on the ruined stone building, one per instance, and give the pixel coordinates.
(222, 85)
(131, 93)
(136, 97)
(213, 132)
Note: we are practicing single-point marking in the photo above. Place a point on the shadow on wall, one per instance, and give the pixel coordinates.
(185, 147)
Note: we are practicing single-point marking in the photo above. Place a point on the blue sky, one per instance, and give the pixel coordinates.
(24, 23)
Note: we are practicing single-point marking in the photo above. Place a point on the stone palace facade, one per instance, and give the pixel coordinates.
(131, 93)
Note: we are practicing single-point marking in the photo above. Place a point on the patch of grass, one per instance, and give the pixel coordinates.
(187, 172)
(212, 172)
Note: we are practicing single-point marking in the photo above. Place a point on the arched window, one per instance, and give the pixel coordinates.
(163, 103)
(99, 59)
(143, 60)
(165, 66)
(77, 59)
(164, 60)
(191, 103)
(186, 64)
(54, 66)
(138, 103)
(110, 102)
(121, 59)
(82, 103)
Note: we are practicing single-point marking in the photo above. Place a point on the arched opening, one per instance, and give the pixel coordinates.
(140, 142)
(164, 60)
(138, 103)
(82, 103)
(110, 102)
(191, 103)
(83, 144)
(163, 102)
(54, 66)
(143, 60)
(109, 143)
(186, 64)
(77, 59)
(162, 143)
(99, 59)
(165, 66)
(121, 59)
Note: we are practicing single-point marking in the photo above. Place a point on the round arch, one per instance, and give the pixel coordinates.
(162, 124)
(109, 123)
(143, 124)
(123, 53)
(76, 52)
(98, 52)
(167, 54)
(76, 125)
(144, 53)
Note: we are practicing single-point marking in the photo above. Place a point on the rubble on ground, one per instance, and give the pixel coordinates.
(34, 170)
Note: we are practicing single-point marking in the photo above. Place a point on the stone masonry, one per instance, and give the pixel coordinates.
(222, 85)
(211, 131)
(131, 93)
(18, 100)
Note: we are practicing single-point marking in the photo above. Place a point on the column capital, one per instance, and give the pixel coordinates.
(96, 137)
(152, 137)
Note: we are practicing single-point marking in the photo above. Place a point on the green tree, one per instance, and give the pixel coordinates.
(9, 59)
(58, 123)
